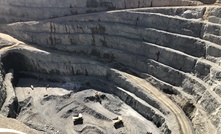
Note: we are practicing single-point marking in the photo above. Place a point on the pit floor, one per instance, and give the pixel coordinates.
(50, 110)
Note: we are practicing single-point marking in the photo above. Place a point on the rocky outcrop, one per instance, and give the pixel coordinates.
(10, 107)
(2, 90)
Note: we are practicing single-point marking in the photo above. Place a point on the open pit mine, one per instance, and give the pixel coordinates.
(110, 66)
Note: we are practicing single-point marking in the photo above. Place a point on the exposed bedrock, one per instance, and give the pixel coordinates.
(2, 89)
(23, 10)
(97, 75)
(10, 107)
(172, 50)
(176, 49)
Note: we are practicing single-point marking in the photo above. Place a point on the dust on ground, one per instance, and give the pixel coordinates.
(49, 107)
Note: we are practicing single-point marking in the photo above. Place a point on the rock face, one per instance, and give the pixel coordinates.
(24, 10)
(2, 90)
(10, 106)
(176, 49)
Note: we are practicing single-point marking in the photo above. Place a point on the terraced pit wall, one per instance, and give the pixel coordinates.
(177, 49)
(25, 10)
(95, 74)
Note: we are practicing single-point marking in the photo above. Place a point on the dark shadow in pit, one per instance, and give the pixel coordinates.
(15, 61)
(189, 109)
(118, 125)
(208, 1)
(78, 121)
(169, 91)
(23, 68)
(95, 98)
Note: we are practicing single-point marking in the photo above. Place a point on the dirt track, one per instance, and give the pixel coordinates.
(185, 125)
(10, 39)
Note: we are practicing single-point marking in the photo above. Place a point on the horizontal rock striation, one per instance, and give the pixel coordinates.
(24, 10)
(81, 66)
(176, 49)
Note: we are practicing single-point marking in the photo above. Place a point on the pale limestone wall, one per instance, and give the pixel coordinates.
(22, 10)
